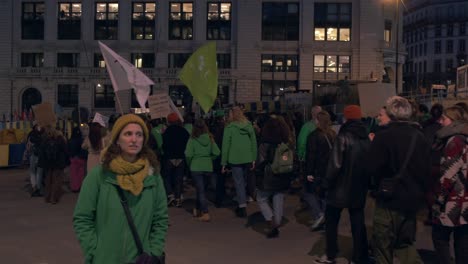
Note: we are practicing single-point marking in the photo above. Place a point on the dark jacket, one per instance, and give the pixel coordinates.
(317, 155)
(266, 180)
(53, 153)
(388, 152)
(175, 139)
(346, 182)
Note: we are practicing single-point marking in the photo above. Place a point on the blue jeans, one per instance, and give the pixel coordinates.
(316, 205)
(199, 179)
(173, 176)
(238, 172)
(268, 213)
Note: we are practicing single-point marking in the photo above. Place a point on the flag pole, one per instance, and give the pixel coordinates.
(118, 102)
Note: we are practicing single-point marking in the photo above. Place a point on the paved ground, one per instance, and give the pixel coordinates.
(32, 231)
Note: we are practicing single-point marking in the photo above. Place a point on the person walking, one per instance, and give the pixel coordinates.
(400, 189)
(271, 186)
(319, 146)
(346, 185)
(35, 172)
(450, 208)
(200, 151)
(129, 167)
(78, 157)
(175, 139)
(239, 151)
(53, 158)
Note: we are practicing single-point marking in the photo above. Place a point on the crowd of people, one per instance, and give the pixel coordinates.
(407, 158)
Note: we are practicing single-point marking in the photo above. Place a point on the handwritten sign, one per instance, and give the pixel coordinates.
(44, 114)
(101, 119)
(159, 105)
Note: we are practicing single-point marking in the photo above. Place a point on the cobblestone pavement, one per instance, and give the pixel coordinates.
(33, 231)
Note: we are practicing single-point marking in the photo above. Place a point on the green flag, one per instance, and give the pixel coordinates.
(200, 75)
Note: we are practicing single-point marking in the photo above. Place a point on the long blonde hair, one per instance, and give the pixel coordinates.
(324, 123)
(237, 115)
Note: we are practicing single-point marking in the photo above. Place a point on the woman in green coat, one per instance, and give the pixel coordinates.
(99, 219)
(239, 151)
(200, 152)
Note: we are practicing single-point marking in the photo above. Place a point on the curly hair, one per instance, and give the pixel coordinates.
(114, 151)
(399, 108)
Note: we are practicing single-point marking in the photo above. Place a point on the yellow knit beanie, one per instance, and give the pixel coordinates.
(125, 120)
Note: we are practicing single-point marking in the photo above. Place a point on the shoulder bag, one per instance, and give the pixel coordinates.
(143, 257)
(388, 186)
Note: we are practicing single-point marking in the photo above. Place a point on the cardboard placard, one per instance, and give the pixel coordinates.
(44, 114)
(101, 119)
(159, 105)
(373, 96)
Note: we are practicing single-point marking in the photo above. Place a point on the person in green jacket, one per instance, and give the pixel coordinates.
(239, 151)
(305, 131)
(157, 131)
(200, 152)
(99, 219)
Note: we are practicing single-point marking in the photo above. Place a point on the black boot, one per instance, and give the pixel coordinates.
(274, 233)
(241, 212)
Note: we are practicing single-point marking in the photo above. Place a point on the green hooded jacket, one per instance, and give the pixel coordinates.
(239, 144)
(200, 153)
(102, 228)
(157, 133)
(306, 129)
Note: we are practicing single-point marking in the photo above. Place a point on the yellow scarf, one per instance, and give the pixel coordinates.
(130, 176)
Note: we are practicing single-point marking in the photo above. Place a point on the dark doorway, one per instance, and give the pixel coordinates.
(30, 97)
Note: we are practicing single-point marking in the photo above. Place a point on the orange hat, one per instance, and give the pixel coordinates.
(172, 117)
(352, 112)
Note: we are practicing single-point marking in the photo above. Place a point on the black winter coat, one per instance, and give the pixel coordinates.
(318, 151)
(387, 154)
(347, 182)
(175, 140)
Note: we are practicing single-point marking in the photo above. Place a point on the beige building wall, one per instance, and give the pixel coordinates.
(366, 49)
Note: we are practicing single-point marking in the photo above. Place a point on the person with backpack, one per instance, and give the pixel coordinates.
(346, 185)
(319, 146)
(200, 151)
(450, 208)
(121, 214)
(274, 165)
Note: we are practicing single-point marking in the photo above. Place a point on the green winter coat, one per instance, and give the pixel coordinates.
(189, 128)
(102, 228)
(306, 129)
(157, 134)
(239, 144)
(200, 153)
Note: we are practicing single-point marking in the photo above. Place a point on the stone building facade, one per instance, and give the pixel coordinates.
(435, 34)
(50, 52)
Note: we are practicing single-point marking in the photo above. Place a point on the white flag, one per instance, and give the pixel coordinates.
(125, 75)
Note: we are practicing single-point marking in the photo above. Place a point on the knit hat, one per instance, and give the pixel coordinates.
(125, 120)
(352, 112)
(172, 117)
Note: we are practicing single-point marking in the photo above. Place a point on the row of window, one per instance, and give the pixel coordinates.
(421, 49)
(280, 21)
(269, 63)
(140, 60)
(421, 67)
(421, 34)
(104, 95)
